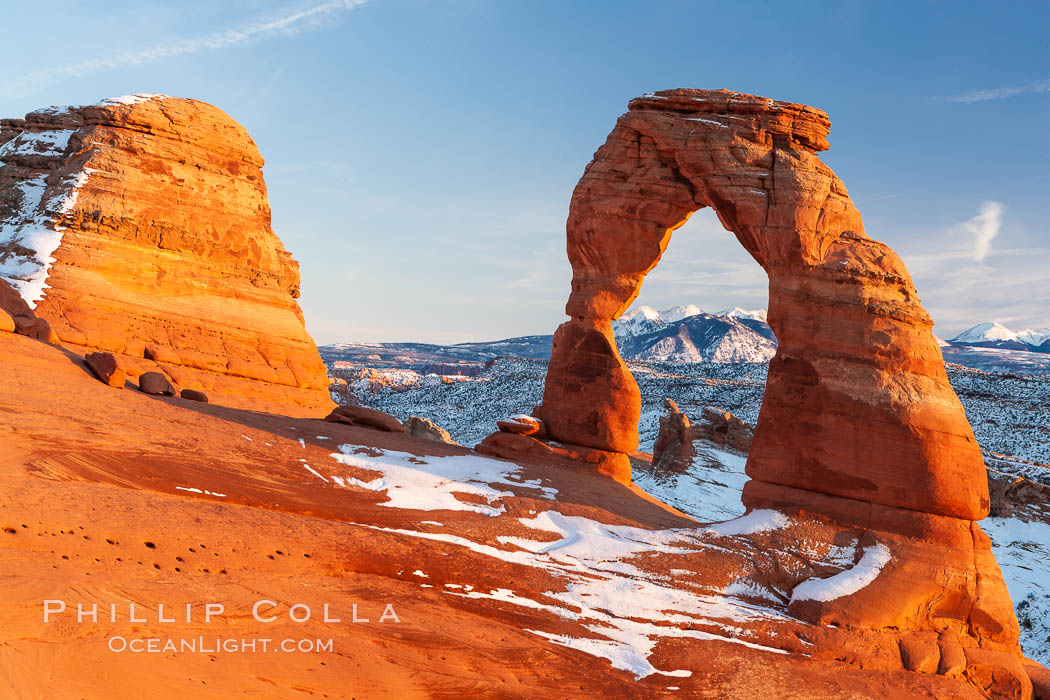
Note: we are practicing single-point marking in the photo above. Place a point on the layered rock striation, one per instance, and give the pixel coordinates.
(140, 226)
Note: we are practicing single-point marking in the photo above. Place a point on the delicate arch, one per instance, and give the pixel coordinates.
(857, 403)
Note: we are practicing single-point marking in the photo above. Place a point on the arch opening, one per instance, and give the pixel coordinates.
(692, 317)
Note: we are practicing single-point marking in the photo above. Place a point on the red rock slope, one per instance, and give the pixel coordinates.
(141, 226)
(508, 581)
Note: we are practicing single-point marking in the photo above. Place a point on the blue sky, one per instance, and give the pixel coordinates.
(421, 154)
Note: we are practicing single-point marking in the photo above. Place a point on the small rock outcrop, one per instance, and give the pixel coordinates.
(7, 324)
(426, 428)
(140, 226)
(673, 449)
(365, 417)
(10, 300)
(104, 365)
(723, 428)
(33, 327)
(155, 383)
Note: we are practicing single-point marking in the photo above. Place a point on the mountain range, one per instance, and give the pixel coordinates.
(688, 334)
(684, 334)
(678, 334)
(995, 335)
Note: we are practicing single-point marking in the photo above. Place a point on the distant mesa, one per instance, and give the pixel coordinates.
(140, 226)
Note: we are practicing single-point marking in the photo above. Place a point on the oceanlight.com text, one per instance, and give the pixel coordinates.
(217, 645)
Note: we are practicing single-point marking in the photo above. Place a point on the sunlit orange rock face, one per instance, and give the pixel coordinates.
(857, 403)
(858, 422)
(166, 256)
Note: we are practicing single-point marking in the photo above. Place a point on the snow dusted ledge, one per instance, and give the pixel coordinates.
(32, 233)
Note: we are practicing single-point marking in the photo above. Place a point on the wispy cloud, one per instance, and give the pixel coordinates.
(1000, 93)
(963, 279)
(984, 227)
(292, 23)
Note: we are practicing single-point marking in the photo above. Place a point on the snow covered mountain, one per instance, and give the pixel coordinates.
(985, 332)
(737, 312)
(679, 334)
(644, 319)
(687, 334)
(684, 334)
(995, 335)
(702, 338)
(677, 313)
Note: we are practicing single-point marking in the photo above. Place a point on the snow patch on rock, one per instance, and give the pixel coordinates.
(845, 582)
(761, 520)
(432, 483)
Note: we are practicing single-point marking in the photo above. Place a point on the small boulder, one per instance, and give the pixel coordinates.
(365, 417)
(194, 395)
(12, 302)
(521, 424)
(426, 428)
(336, 418)
(7, 323)
(33, 327)
(155, 383)
(104, 365)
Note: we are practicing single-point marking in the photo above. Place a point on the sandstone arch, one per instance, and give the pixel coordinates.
(857, 404)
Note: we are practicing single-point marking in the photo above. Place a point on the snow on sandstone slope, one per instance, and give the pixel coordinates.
(1010, 415)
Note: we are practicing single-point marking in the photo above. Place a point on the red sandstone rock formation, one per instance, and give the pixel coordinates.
(673, 448)
(237, 506)
(858, 422)
(428, 429)
(723, 428)
(140, 226)
(857, 403)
